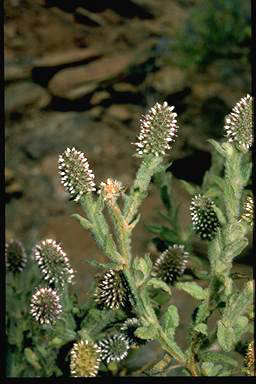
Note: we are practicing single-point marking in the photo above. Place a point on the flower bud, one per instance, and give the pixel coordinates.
(85, 359)
(204, 219)
(170, 265)
(45, 306)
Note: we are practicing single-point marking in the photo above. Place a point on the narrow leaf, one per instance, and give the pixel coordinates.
(82, 221)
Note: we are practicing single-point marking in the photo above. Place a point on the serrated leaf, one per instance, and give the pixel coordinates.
(157, 283)
(32, 358)
(82, 221)
(193, 289)
(146, 333)
(226, 336)
(170, 320)
(218, 357)
(201, 328)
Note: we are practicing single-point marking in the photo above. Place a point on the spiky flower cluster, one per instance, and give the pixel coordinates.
(45, 306)
(247, 214)
(249, 359)
(111, 189)
(114, 348)
(128, 328)
(112, 290)
(76, 176)
(15, 255)
(204, 219)
(238, 124)
(53, 262)
(171, 264)
(85, 359)
(158, 130)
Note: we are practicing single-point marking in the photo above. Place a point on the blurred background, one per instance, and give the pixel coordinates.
(81, 73)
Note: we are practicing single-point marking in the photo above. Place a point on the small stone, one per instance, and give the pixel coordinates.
(23, 95)
(99, 96)
(120, 112)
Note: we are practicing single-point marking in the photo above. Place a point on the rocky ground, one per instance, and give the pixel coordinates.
(81, 75)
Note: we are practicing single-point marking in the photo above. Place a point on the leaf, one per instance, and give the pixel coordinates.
(193, 289)
(157, 283)
(110, 265)
(100, 204)
(219, 215)
(240, 327)
(226, 336)
(218, 356)
(82, 221)
(246, 170)
(190, 188)
(209, 369)
(143, 265)
(202, 312)
(201, 328)
(32, 358)
(235, 249)
(146, 333)
(217, 146)
(170, 320)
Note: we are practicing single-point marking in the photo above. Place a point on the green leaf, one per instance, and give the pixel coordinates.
(209, 369)
(146, 333)
(32, 358)
(217, 146)
(219, 215)
(110, 265)
(100, 204)
(193, 289)
(202, 312)
(157, 283)
(226, 336)
(82, 221)
(190, 188)
(218, 357)
(246, 170)
(143, 265)
(170, 320)
(240, 327)
(201, 328)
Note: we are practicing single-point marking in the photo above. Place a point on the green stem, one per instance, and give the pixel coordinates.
(122, 230)
(148, 167)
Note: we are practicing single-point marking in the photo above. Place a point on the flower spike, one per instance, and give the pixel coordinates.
(238, 124)
(158, 130)
(76, 176)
